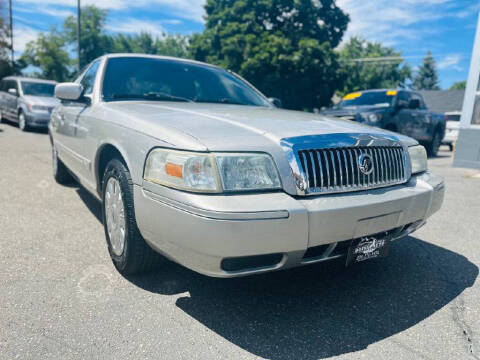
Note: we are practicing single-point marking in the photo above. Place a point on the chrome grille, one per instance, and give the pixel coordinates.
(337, 169)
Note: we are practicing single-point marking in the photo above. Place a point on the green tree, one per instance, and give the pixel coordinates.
(284, 47)
(94, 41)
(5, 62)
(361, 71)
(173, 45)
(168, 45)
(427, 76)
(49, 54)
(459, 85)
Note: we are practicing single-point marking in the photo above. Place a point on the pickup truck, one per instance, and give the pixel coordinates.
(400, 111)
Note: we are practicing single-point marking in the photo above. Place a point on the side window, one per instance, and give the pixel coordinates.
(88, 80)
(11, 84)
(403, 99)
(418, 97)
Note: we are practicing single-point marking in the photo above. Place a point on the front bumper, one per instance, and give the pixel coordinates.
(451, 136)
(39, 120)
(200, 231)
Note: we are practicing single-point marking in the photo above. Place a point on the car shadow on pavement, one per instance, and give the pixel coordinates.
(92, 204)
(321, 310)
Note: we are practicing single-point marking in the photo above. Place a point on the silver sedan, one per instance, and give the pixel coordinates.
(193, 163)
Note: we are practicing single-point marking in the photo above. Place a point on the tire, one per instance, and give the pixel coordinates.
(131, 255)
(22, 122)
(60, 171)
(434, 145)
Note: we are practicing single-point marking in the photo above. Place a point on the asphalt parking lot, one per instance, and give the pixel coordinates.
(60, 296)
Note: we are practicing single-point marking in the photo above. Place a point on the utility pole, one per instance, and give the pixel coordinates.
(11, 33)
(78, 33)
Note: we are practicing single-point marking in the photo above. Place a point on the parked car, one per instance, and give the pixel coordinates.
(400, 111)
(453, 125)
(193, 162)
(27, 101)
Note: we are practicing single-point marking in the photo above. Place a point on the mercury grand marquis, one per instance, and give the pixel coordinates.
(192, 162)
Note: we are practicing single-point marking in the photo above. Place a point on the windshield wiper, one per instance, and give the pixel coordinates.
(230, 101)
(165, 96)
(150, 96)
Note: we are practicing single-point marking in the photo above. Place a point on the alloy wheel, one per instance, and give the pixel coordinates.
(115, 216)
(21, 121)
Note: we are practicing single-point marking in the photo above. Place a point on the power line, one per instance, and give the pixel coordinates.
(390, 59)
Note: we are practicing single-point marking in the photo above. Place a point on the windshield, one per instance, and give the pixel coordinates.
(373, 98)
(131, 78)
(38, 88)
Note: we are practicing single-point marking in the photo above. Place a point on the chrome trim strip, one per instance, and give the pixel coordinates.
(217, 215)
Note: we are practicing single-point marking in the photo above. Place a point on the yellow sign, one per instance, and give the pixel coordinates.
(352, 96)
(391, 92)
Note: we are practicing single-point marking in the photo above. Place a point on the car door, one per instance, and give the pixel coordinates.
(2, 95)
(11, 100)
(405, 124)
(422, 119)
(71, 133)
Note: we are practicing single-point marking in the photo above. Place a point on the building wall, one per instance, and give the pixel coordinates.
(467, 152)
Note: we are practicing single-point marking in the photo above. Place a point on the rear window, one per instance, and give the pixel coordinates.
(369, 98)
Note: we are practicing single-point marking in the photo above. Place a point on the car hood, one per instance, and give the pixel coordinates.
(41, 100)
(230, 127)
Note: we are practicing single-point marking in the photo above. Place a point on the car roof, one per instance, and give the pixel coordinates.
(24, 78)
(160, 57)
(378, 90)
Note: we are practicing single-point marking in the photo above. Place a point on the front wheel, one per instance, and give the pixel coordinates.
(128, 250)
(22, 122)
(434, 145)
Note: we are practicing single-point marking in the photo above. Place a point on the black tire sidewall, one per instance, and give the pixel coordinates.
(117, 170)
(436, 143)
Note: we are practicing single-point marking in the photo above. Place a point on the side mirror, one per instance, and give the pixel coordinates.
(276, 102)
(68, 91)
(414, 104)
(13, 91)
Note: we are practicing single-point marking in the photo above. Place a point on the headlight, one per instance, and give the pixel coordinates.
(182, 170)
(247, 172)
(418, 158)
(212, 173)
(371, 117)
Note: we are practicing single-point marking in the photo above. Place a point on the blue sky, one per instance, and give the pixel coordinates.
(446, 27)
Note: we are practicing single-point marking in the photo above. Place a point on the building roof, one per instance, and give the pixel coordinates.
(443, 100)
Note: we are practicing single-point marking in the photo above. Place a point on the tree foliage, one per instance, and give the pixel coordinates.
(283, 47)
(5, 62)
(51, 53)
(361, 71)
(48, 53)
(427, 76)
(459, 85)
(94, 41)
(168, 45)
